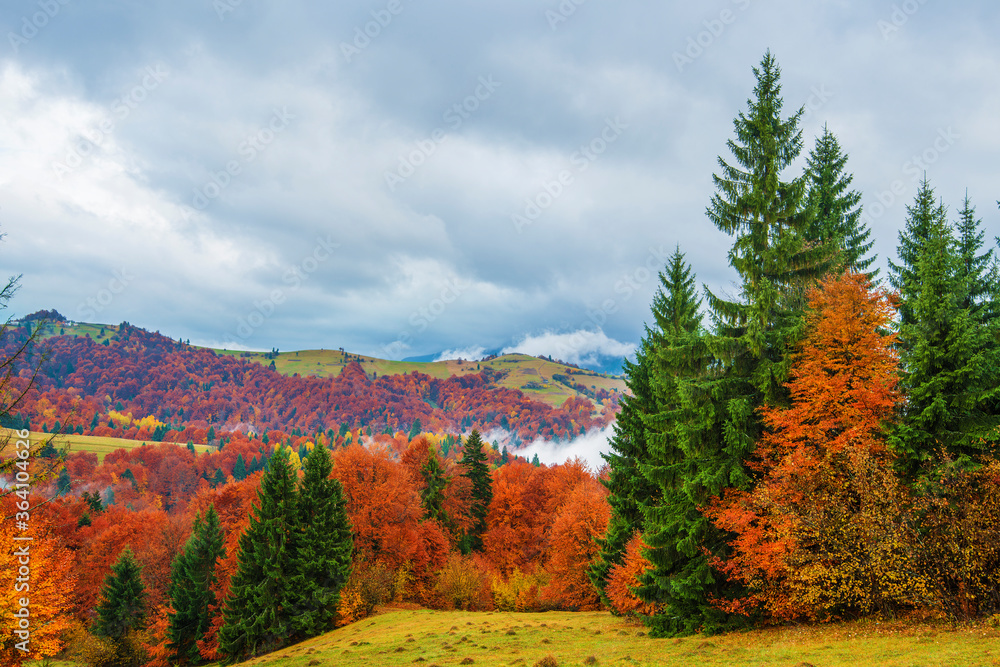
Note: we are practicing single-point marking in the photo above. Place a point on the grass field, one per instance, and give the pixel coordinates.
(427, 638)
(90, 443)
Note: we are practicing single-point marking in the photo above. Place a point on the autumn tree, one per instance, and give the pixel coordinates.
(573, 546)
(47, 589)
(821, 533)
(191, 588)
(477, 471)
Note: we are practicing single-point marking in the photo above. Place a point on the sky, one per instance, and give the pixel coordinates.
(404, 177)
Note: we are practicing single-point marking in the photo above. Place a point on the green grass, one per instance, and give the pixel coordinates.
(101, 446)
(426, 638)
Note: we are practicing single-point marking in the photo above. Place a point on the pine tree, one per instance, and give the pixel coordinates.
(478, 471)
(191, 588)
(323, 544)
(64, 484)
(721, 380)
(240, 468)
(122, 609)
(257, 618)
(675, 311)
(432, 492)
(949, 374)
(921, 217)
(978, 270)
(834, 208)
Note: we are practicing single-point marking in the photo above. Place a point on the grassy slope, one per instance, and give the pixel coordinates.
(98, 445)
(521, 368)
(423, 637)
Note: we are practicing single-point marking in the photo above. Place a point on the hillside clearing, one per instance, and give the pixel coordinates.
(423, 637)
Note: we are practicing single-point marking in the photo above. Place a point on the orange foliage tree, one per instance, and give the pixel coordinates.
(623, 579)
(823, 532)
(45, 583)
(582, 518)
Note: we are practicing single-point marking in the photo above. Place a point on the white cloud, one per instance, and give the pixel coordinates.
(578, 347)
(589, 447)
(472, 353)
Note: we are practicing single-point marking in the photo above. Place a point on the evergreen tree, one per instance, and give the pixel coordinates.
(256, 616)
(949, 372)
(675, 312)
(191, 588)
(323, 544)
(478, 471)
(239, 468)
(432, 492)
(414, 430)
(63, 484)
(977, 270)
(718, 382)
(921, 217)
(834, 208)
(122, 609)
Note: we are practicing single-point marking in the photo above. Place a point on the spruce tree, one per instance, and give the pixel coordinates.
(257, 618)
(478, 471)
(191, 588)
(720, 380)
(947, 356)
(122, 609)
(921, 217)
(834, 207)
(240, 468)
(978, 270)
(432, 492)
(675, 313)
(323, 545)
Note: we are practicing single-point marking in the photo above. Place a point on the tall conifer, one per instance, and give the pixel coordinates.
(191, 593)
(257, 615)
(323, 544)
(478, 471)
(835, 210)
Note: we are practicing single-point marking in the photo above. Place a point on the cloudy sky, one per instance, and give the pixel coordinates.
(402, 177)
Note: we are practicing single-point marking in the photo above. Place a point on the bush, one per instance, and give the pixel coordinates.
(368, 586)
(463, 584)
(519, 592)
(103, 652)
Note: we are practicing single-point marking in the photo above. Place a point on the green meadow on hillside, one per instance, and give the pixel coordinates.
(427, 638)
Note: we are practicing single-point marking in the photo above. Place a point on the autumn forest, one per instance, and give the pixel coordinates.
(820, 445)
